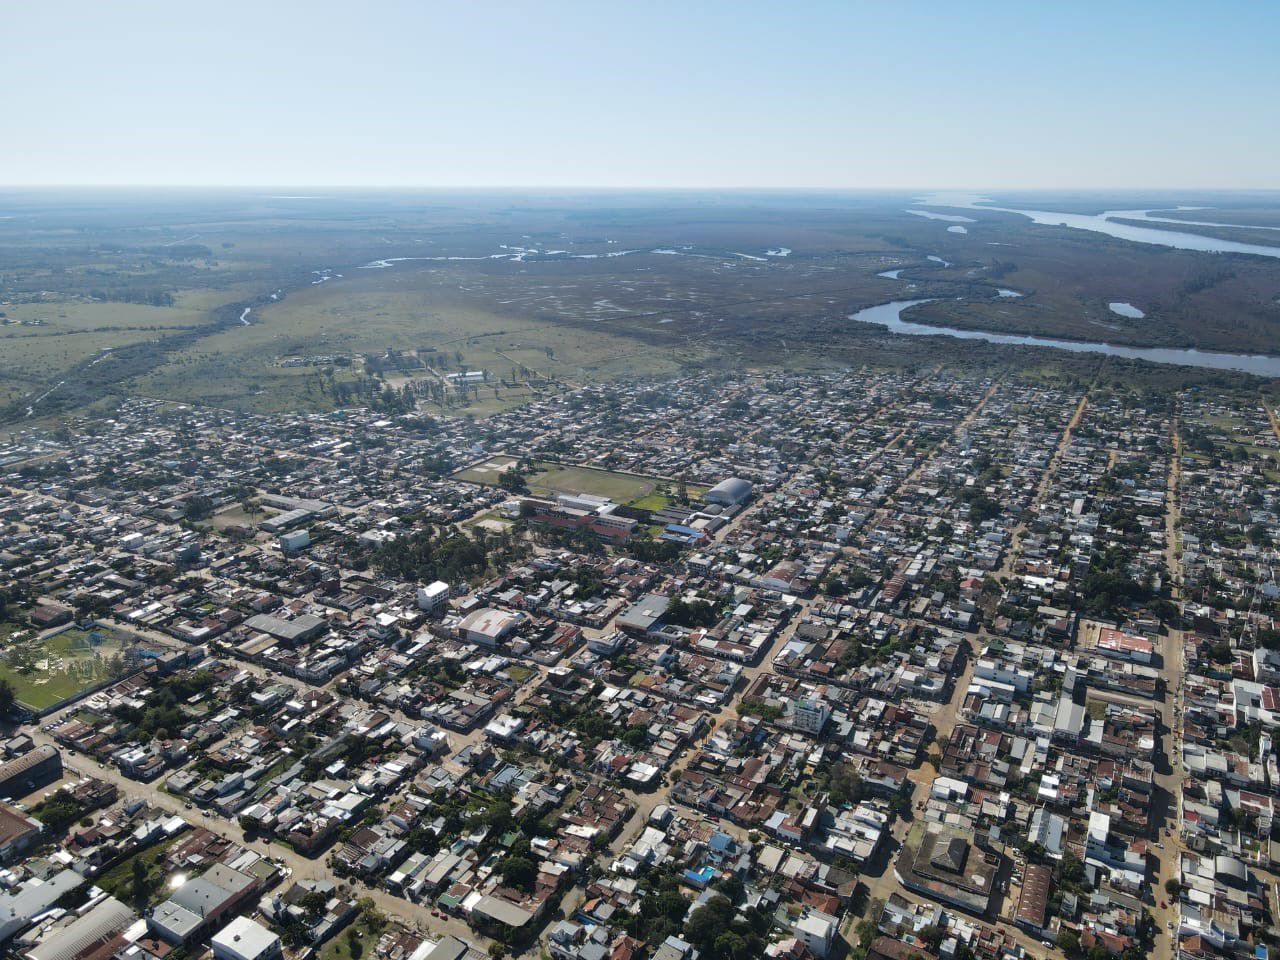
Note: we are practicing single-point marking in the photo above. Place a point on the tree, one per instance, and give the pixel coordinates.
(141, 886)
(708, 922)
(931, 936)
(518, 872)
(845, 785)
(1070, 869)
(314, 903)
(729, 946)
(7, 698)
(1172, 887)
(1069, 941)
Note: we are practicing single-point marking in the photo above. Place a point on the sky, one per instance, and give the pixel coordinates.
(700, 93)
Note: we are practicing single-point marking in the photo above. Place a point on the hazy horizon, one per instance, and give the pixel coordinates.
(830, 96)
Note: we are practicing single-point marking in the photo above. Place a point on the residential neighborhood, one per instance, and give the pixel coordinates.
(913, 665)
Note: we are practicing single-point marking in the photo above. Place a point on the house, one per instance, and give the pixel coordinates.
(244, 939)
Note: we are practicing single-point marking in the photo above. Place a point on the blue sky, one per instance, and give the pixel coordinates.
(652, 94)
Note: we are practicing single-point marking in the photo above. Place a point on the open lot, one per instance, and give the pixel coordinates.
(486, 473)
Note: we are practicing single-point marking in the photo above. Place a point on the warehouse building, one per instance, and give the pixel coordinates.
(29, 772)
(729, 493)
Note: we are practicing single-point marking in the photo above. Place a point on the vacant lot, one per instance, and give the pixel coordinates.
(486, 473)
(44, 672)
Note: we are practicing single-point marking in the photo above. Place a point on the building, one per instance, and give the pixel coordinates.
(1125, 646)
(808, 716)
(29, 772)
(20, 907)
(729, 493)
(295, 540)
(1033, 902)
(607, 645)
(96, 933)
(643, 615)
(301, 628)
(244, 939)
(595, 515)
(18, 832)
(433, 597)
(200, 905)
(817, 930)
(489, 627)
(942, 864)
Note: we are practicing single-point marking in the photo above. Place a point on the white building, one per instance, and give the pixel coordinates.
(809, 716)
(244, 939)
(295, 540)
(433, 596)
(817, 930)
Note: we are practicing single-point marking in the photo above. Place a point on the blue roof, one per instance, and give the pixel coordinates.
(680, 528)
(700, 877)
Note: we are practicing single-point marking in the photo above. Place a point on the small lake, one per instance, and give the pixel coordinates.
(890, 315)
(948, 217)
(1121, 309)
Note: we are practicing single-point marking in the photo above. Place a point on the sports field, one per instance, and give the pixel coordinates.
(45, 672)
(619, 487)
(552, 478)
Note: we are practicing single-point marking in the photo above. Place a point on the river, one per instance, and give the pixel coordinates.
(890, 315)
(1105, 222)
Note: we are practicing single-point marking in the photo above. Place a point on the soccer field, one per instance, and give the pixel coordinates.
(45, 672)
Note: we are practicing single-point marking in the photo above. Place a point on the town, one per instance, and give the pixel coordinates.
(886, 665)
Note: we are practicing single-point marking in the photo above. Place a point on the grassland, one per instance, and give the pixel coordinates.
(118, 881)
(46, 671)
(610, 306)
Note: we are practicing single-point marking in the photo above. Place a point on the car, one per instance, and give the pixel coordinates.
(1163, 905)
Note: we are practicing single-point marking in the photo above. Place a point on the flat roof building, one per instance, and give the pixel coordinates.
(244, 939)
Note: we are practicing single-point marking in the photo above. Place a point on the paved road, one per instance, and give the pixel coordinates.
(1167, 815)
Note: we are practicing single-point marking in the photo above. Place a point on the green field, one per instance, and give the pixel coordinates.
(549, 479)
(45, 672)
(619, 487)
